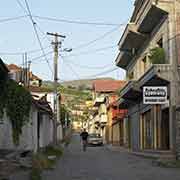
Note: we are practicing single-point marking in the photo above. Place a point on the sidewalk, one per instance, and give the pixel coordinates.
(167, 155)
(116, 148)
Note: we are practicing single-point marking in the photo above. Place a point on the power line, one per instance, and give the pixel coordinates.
(20, 53)
(12, 19)
(37, 35)
(97, 39)
(93, 51)
(88, 67)
(71, 68)
(43, 33)
(22, 7)
(76, 21)
(83, 53)
(39, 57)
(103, 73)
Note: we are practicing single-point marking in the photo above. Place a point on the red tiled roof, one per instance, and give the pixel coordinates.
(107, 85)
(14, 67)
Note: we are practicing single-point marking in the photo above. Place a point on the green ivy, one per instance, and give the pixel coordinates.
(16, 100)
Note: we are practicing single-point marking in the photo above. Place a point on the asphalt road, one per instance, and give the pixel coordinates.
(100, 163)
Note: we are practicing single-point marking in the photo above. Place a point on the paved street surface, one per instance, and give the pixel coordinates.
(100, 163)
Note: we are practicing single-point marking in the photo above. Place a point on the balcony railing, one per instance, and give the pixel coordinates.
(151, 15)
(161, 71)
(119, 114)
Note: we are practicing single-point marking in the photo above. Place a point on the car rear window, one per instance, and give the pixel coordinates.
(95, 135)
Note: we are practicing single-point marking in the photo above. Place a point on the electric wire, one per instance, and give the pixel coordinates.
(20, 53)
(39, 57)
(97, 39)
(82, 53)
(89, 67)
(103, 73)
(93, 51)
(37, 35)
(71, 68)
(12, 19)
(75, 21)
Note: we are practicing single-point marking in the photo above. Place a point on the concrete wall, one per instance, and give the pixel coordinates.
(46, 131)
(116, 134)
(134, 116)
(28, 138)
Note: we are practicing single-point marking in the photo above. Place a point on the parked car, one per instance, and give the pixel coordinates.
(95, 139)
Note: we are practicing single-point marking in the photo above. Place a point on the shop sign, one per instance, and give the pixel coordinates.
(155, 95)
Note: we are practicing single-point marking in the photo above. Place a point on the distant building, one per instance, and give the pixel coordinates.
(101, 90)
(23, 76)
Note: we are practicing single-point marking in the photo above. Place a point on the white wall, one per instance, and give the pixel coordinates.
(28, 138)
(46, 131)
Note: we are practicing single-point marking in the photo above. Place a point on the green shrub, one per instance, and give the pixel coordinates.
(157, 56)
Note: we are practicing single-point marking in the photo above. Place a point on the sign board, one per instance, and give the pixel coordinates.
(154, 95)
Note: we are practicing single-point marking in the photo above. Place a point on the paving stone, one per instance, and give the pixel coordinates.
(102, 163)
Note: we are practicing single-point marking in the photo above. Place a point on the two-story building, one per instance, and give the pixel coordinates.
(23, 76)
(101, 90)
(149, 52)
(115, 131)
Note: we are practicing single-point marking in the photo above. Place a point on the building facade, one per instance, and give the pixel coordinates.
(149, 52)
(115, 131)
(103, 89)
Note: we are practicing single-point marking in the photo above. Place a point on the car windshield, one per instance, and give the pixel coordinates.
(95, 135)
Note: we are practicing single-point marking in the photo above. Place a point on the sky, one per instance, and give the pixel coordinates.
(94, 47)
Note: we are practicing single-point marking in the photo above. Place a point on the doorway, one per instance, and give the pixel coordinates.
(165, 129)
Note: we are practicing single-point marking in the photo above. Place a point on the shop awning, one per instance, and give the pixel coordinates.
(131, 91)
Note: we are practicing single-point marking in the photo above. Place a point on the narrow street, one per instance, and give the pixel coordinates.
(100, 163)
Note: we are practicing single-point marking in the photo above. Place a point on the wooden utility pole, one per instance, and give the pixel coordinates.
(56, 45)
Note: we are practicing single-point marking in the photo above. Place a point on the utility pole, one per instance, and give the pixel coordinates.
(28, 73)
(56, 45)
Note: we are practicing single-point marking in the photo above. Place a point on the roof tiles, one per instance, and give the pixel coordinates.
(107, 86)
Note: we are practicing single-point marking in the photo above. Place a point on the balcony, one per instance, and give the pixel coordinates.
(131, 91)
(129, 43)
(103, 119)
(131, 38)
(157, 74)
(124, 103)
(123, 59)
(98, 101)
(151, 17)
(119, 114)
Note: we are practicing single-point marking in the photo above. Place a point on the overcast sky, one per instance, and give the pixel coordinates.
(87, 59)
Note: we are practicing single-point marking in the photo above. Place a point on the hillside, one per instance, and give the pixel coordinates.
(81, 84)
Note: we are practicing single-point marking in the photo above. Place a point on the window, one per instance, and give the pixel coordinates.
(160, 43)
(144, 64)
(131, 75)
